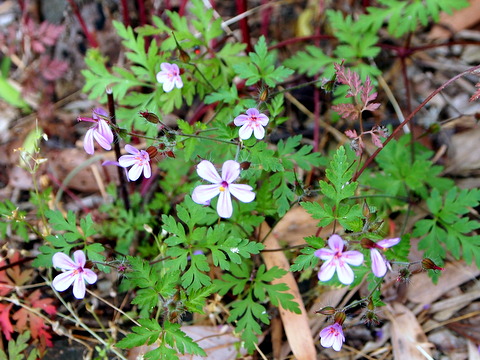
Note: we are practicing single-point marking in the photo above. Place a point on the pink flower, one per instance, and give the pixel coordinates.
(379, 263)
(252, 122)
(140, 161)
(332, 336)
(75, 273)
(221, 185)
(337, 260)
(169, 77)
(100, 131)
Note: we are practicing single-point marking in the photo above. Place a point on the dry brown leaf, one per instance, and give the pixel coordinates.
(422, 291)
(296, 325)
(408, 339)
(464, 152)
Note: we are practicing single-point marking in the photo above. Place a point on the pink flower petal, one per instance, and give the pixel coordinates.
(327, 270)
(207, 171)
(224, 205)
(245, 132)
(104, 143)
(88, 142)
(332, 336)
(336, 242)
(168, 85)
(105, 130)
(80, 258)
(63, 281)
(147, 170)
(379, 267)
(259, 132)
(204, 193)
(89, 276)
(132, 150)
(240, 120)
(345, 273)
(127, 160)
(178, 82)
(62, 261)
(263, 119)
(135, 172)
(230, 171)
(388, 242)
(324, 253)
(252, 112)
(242, 192)
(353, 257)
(79, 287)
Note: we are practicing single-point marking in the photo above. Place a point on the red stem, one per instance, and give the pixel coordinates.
(142, 16)
(183, 6)
(241, 8)
(90, 38)
(410, 117)
(266, 15)
(125, 13)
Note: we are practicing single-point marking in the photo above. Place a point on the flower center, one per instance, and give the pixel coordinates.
(253, 118)
(223, 186)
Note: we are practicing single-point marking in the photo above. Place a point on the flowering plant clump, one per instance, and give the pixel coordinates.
(337, 260)
(139, 160)
(100, 131)
(76, 273)
(169, 77)
(253, 122)
(221, 185)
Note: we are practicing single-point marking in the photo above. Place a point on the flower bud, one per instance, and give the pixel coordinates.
(340, 317)
(327, 310)
(183, 56)
(152, 151)
(428, 264)
(263, 95)
(371, 318)
(88, 264)
(150, 117)
(368, 244)
(245, 165)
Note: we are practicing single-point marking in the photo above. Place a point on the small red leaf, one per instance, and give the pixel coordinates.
(352, 134)
(5, 323)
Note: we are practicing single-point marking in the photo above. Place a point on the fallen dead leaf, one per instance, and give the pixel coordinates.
(459, 20)
(296, 326)
(408, 339)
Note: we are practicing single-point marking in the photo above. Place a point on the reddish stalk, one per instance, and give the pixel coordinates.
(241, 8)
(116, 145)
(142, 16)
(410, 117)
(183, 6)
(90, 38)
(266, 15)
(125, 13)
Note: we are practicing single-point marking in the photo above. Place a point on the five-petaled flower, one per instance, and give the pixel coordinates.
(252, 122)
(76, 273)
(140, 161)
(379, 263)
(221, 185)
(332, 336)
(100, 131)
(338, 260)
(169, 77)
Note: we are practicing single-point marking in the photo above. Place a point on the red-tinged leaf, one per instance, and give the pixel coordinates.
(5, 323)
(21, 318)
(42, 36)
(372, 107)
(40, 331)
(6, 284)
(476, 95)
(352, 134)
(15, 273)
(376, 140)
(45, 304)
(346, 111)
(53, 69)
(367, 88)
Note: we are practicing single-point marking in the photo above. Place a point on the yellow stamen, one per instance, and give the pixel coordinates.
(221, 188)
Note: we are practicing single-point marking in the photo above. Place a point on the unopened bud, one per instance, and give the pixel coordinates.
(327, 310)
(150, 117)
(169, 153)
(367, 244)
(340, 317)
(152, 151)
(366, 210)
(183, 56)
(88, 264)
(428, 264)
(371, 318)
(245, 165)
(263, 95)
